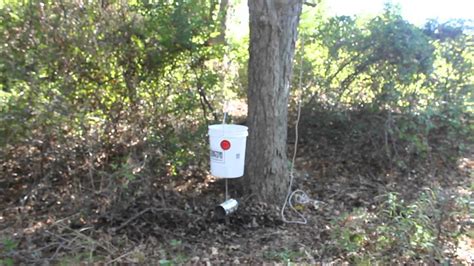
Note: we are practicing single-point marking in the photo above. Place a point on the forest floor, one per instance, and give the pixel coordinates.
(350, 221)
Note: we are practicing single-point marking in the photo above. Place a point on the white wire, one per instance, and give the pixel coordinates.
(225, 109)
(300, 196)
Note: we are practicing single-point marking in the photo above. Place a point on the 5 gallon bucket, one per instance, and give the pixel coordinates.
(227, 152)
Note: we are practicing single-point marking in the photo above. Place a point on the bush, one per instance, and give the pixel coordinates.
(398, 231)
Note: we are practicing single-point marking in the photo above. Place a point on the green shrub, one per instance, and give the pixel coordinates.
(400, 231)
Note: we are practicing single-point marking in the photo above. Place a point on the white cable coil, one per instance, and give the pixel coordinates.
(300, 196)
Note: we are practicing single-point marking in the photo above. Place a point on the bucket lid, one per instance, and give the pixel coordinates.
(230, 130)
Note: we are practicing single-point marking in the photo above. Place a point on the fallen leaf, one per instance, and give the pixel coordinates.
(214, 251)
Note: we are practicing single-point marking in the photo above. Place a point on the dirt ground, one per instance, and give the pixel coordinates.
(56, 221)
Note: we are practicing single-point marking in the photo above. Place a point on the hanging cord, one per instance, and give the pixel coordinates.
(225, 110)
(300, 196)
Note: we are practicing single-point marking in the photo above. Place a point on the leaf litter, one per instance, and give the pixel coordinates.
(52, 221)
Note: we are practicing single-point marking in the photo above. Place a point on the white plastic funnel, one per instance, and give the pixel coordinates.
(227, 143)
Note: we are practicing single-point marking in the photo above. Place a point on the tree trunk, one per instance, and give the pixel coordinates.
(273, 32)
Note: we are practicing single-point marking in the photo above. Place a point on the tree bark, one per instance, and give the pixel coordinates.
(273, 33)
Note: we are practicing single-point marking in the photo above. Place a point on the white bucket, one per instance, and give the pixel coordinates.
(227, 143)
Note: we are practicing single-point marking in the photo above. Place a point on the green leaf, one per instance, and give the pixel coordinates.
(6, 262)
(165, 262)
(9, 245)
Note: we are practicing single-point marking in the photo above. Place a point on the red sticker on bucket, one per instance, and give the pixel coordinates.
(225, 145)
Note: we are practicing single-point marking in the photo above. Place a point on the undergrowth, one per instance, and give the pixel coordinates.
(425, 230)
(104, 109)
